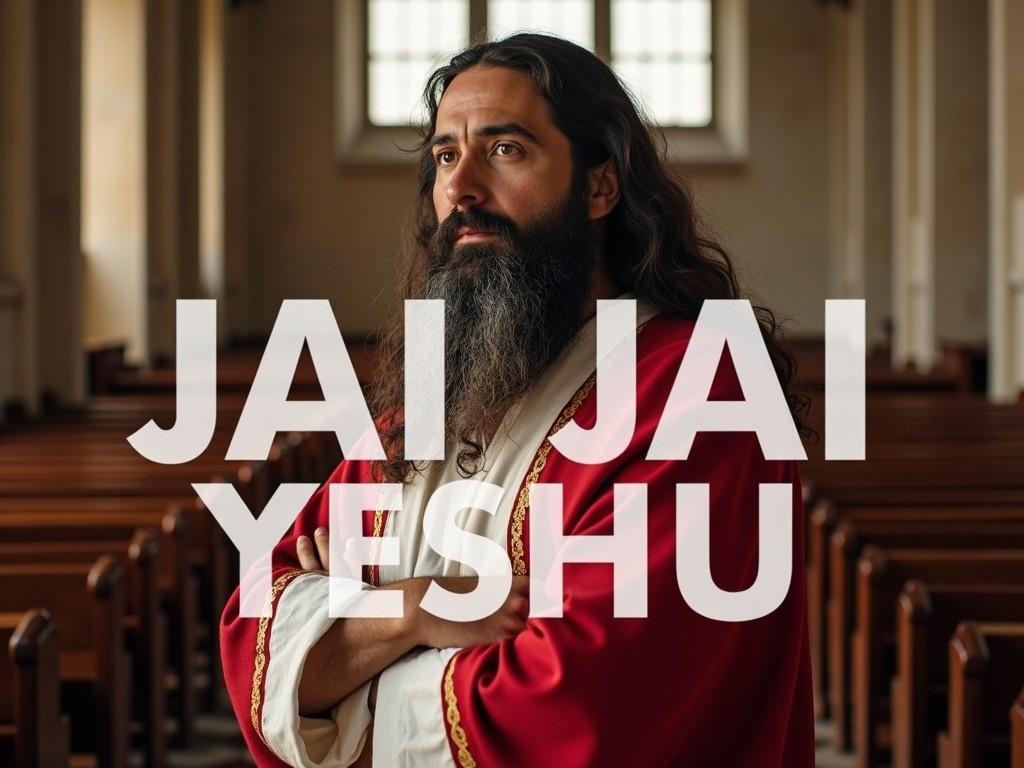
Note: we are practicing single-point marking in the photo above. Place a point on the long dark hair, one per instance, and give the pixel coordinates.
(653, 246)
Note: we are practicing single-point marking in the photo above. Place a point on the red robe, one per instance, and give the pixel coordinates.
(588, 689)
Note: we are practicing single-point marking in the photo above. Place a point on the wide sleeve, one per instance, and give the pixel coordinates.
(674, 688)
(263, 658)
(411, 728)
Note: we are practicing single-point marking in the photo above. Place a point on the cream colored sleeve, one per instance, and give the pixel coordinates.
(408, 725)
(300, 620)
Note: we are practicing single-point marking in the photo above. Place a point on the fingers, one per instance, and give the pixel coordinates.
(315, 554)
(323, 547)
(307, 556)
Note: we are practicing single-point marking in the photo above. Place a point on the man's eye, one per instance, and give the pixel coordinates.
(504, 149)
(444, 157)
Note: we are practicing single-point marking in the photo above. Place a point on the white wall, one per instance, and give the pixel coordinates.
(113, 168)
(315, 231)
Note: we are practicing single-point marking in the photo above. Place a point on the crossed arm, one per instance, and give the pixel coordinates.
(354, 651)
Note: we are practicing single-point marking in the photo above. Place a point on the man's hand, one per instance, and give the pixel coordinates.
(356, 650)
(508, 621)
(318, 558)
(426, 629)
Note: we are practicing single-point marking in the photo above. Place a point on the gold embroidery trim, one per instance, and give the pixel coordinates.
(539, 462)
(261, 653)
(373, 571)
(458, 733)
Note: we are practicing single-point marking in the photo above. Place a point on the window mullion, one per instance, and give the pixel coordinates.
(362, 17)
(603, 29)
(478, 21)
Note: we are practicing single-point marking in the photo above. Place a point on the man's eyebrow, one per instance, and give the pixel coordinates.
(498, 129)
(505, 128)
(444, 138)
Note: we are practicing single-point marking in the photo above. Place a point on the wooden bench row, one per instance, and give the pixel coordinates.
(88, 603)
(928, 619)
(882, 573)
(986, 664)
(132, 573)
(33, 732)
(902, 549)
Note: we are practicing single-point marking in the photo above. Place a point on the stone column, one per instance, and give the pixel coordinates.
(913, 282)
(114, 173)
(211, 158)
(961, 172)
(1006, 199)
(172, 165)
(40, 255)
(18, 204)
(59, 166)
(238, 56)
(860, 157)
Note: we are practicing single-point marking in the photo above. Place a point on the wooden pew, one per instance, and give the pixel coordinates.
(84, 459)
(104, 358)
(824, 517)
(87, 606)
(33, 733)
(216, 568)
(81, 461)
(60, 530)
(925, 467)
(881, 574)
(898, 528)
(144, 620)
(950, 376)
(196, 536)
(237, 368)
(922, 450)
(886, 482)
(927, 616)
(986, 670)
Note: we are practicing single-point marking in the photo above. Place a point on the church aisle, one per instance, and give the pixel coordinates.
(825, 755)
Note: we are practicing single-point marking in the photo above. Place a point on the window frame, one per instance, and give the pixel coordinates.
(723, 142)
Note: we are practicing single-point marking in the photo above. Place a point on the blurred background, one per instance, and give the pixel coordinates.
(251, 151)
(248, 151)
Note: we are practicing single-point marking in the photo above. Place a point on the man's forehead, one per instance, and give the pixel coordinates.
(492, 95)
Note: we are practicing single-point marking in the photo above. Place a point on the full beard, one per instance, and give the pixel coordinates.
(512, 306)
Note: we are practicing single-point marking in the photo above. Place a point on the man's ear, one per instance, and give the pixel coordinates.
(603, 190)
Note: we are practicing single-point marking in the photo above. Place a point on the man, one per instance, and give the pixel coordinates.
(540, 191)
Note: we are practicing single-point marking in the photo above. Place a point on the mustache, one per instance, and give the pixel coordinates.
(474, 218)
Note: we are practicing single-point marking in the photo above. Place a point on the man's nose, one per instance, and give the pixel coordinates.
(466, 185)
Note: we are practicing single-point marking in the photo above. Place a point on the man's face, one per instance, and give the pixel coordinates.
(497, 152)
(514, 254)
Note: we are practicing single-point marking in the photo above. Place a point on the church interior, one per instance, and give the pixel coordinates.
(252, 151)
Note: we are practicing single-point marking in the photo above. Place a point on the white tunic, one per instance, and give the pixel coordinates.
(409, 728)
